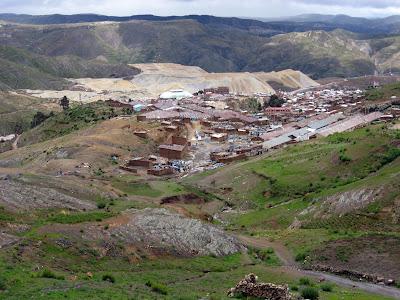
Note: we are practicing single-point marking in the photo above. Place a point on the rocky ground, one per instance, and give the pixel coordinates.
(156, 232)
(18, 196)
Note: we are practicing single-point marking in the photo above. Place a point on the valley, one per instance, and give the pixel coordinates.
(153, 157)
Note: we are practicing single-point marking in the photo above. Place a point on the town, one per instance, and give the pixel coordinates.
(213, 127)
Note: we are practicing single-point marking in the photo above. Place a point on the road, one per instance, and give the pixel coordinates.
(290, 266)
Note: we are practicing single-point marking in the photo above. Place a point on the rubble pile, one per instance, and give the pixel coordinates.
(248, 287)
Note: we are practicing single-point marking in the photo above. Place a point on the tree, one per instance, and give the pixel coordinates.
(275, 101)
(64, 103)
(38, 119)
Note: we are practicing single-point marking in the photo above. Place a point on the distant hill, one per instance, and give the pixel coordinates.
(20, 68)
(98, 46)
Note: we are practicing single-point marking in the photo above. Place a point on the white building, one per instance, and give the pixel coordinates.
(176, 94)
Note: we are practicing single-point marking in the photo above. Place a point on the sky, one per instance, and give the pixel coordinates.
(239, 8)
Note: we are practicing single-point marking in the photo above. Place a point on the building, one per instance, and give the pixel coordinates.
(219, 137)
(176, 94)
(278, 111)
(222, 90)
(172, 151)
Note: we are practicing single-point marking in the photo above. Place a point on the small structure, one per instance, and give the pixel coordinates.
(222, 90)
(278, 111)
(141, 133)
(161, 170)
(172, 151)
(219, 137)
(140, 162)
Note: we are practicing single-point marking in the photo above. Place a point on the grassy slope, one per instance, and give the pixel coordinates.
(18, 109)
(294, 179)
(21, 69)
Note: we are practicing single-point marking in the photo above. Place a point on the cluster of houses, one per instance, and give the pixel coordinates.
(202, 135)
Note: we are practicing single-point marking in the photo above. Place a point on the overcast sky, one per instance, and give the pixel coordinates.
(244, 8)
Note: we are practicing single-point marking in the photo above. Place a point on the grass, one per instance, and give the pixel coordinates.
(170, 278)
(74, 119)
(383, 92)
(151, 189)
(74, 218)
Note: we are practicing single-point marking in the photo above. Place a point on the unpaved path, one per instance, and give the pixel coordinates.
(290, 266)
(15, 143)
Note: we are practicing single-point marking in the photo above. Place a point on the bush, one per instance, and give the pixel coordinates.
(300, 257)
(3, 285)
(108, 277)
(310, 293)
(304, 281)
(46, 273)
(327, 287)
(294, 288)
(157, 287)
(101, 205)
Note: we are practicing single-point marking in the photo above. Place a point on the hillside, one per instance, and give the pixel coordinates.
(342, 189)
(215, 45)
(18, 111)
(70, 217)
(24, 69)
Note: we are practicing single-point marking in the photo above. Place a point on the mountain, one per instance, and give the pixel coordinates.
(42, 56)
(24, 69)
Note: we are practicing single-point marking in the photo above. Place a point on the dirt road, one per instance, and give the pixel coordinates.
(290, 266)
(15, 143)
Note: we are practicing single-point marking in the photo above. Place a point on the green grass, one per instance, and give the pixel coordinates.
(150, 279)
(383, 92)
(152, 189)
(74, 218)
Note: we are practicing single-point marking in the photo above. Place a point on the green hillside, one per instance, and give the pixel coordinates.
(22, 69)
(339, 189)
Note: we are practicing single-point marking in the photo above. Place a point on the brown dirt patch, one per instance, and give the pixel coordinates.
(186, 199)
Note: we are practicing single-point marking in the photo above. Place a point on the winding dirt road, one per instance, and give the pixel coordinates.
(290, 266)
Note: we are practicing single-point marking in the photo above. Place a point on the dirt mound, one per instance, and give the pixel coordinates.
(172, 233)
(288, 78)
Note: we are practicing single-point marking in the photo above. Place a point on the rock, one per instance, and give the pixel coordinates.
(248, 287)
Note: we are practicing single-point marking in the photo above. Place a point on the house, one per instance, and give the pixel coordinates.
(219, 137)
(172, 151)
(278, 111)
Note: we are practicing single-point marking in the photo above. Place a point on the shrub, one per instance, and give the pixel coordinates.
(294, 288)
(101, 205)
(327, 287)
(304, 281)
(300, 257)
(46, 273)
(157, 287)
(109, 278)
(3, 285)
(310, 293)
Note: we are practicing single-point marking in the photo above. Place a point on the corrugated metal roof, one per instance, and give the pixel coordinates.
(325, 122)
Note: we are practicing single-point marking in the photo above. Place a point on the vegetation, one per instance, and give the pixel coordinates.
(310, 293)
(72, 119)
